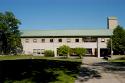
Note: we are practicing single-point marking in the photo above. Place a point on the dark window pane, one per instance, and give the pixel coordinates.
(59, 40)
(43, 40)
(89, 39)
(51, 40)
(76, 40)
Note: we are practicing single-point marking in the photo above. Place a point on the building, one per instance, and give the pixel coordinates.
(95, 41)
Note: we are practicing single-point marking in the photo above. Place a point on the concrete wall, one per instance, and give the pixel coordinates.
(112, 22)
(28, 47)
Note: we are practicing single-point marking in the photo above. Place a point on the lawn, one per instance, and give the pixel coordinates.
(18, 57)
(36, 69)
(117, 58)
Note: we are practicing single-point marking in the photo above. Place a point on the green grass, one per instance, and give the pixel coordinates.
(38, 69)
(64, 78)
(19, 57)
(117, 59)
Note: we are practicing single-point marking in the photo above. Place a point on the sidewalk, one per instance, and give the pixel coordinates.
(92, 60)
(95, 70)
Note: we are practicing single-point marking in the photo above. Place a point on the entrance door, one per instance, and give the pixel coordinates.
(104, 52)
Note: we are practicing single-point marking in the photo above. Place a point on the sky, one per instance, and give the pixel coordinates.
(65, 14)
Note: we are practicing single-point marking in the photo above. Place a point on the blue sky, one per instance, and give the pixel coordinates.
(65, 14)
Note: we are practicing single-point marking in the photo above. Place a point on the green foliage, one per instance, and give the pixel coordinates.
(64, 50)
(63, 77)
(118, 40)
(49, 53)
(109, 43)
(9, 24)
(72, 51)
(80, 51)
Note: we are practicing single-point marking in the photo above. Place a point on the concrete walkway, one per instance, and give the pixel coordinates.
(97, 70)
(92, 60)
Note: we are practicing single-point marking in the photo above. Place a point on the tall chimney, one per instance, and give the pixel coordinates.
(112, 22)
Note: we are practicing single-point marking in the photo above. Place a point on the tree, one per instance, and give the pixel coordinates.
(80, 51)
(9, 24)
(2, 42)
(118, 40)
(64, 50)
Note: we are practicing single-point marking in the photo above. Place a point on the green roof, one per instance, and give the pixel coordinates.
(38, 33)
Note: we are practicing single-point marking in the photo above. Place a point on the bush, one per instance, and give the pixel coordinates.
(49, 53)
(64, 50)
(80, 51)
(71, 52)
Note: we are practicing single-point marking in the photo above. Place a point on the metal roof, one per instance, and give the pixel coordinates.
(38, 33)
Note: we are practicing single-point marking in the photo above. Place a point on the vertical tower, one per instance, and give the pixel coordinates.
(112, 22)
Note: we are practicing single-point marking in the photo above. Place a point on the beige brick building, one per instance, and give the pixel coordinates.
(95, 41)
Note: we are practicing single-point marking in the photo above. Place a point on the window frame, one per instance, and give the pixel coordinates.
(68, 40)
(34, 40)
(34, 51)
(42, 51)
(102, 39)
(38, 51)
(26, 40)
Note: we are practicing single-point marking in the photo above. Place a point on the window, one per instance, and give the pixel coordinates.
(51, 40)
(38, 51)
(27, 40)
(59, 40)
(102, 40)
(34, 40)
(34, 51)
(68, 40)
(42, 51)
(76, 40)
(89, 39)
(43, 40)
(89, 51)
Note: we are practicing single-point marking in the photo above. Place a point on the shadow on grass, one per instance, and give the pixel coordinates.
(36, 71)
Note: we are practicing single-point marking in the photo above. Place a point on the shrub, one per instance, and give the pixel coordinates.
(49, 53)
(71, 52)
(64, 50)
(80, 51)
